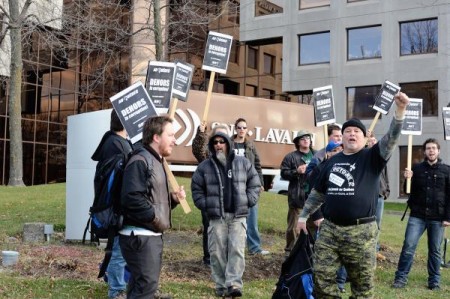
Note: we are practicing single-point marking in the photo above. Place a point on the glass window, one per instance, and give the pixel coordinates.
(3, 99)
(250, 90)
(360, 101)
(268, 93)
(314, 48)
(364, 43)
(428, 91)
(417, 157)
(252, 60)
(264, 7)
(305, 97)
(419, 37)
(313, 3)
(234, 53)
(269, 64)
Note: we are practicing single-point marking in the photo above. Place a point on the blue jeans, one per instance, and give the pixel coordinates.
(414, 230)
(115, 270)
(253, 238)
(379, 215)
(341, 277)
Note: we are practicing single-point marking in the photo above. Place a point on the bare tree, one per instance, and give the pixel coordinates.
(94, 35)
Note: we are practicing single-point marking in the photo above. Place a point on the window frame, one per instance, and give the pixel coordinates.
(361, 28)
(300, 48)
(416, 21)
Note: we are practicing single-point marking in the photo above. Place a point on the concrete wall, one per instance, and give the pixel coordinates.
(342, 73)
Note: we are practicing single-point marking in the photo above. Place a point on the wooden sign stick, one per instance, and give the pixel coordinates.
(174, 184)
(325, 134)
(408, 163)
(173, 108)
(374, 121)
(172, 181)
(208, 96)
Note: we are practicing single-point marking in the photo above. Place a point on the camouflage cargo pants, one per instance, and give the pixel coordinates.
(354, 247)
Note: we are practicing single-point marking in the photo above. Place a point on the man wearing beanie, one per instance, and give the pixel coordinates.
(348, 183)
(226, 186)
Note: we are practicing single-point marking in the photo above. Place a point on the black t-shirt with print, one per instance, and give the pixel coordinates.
(351, 183)
(239, 149)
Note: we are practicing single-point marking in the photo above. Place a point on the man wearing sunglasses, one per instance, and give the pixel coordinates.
(244, 147)
(226, 186)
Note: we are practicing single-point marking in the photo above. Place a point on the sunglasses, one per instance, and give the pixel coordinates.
(219, 142)
(241, 128)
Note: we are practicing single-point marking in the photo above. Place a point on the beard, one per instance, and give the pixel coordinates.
(222, 158)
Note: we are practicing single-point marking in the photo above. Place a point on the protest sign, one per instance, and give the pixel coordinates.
(412, 124)
(385, 97)
(159, 82)
(134, 107)
(324, 105)
(383, 101)
(446, 119)
(217, 52)
(182, 80)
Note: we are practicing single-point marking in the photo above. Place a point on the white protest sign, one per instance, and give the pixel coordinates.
(412, 124)
(134, 107)
(324, 105)
(159, 84)
(385, 97)
(446, 119)
(217, 52)
(182, 81)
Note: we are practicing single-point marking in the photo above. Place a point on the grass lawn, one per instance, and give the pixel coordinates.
(46, 203)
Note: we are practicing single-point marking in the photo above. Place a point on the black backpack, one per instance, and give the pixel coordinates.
(105, 214)
(296, 278)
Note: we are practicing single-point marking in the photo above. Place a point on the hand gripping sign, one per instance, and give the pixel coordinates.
(384, 100)
(412, 125)
(134, 106)
(217, 53)
(324, 108)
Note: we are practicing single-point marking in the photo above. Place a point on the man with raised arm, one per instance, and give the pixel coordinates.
(349, 185)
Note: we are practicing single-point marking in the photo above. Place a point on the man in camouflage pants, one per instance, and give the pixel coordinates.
(348, 185)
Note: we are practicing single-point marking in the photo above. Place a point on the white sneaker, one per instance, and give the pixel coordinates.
(264, 252)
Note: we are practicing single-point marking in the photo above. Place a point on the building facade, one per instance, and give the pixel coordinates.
(355, 46)
(98, 48)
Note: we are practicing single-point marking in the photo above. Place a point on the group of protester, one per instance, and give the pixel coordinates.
(336, 194)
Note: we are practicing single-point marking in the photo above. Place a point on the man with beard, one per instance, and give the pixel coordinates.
(146, 205)
(225, 186)
(429, 201)
(348, 234)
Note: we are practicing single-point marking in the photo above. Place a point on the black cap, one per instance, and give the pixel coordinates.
(354, 122)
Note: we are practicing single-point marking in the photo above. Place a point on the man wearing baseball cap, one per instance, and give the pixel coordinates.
(293, 169)
(348, 234)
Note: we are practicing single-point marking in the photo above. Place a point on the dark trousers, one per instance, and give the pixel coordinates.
(205, 222)
(143, 255)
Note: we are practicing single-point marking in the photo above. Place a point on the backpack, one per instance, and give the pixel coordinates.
(105, 218)
(296, 278)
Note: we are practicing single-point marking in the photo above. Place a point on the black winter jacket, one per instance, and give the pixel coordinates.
(145, 199)
(430, 191)
(297, 181)
(208, 189)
